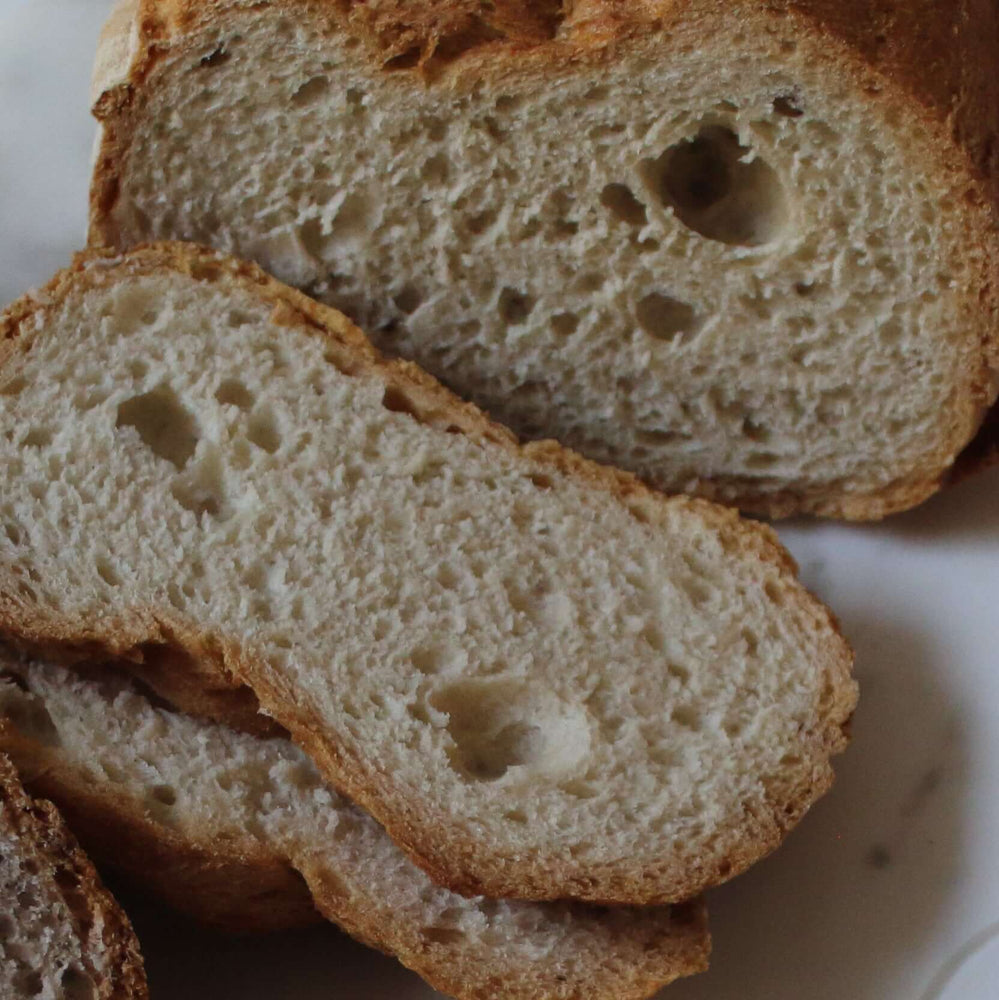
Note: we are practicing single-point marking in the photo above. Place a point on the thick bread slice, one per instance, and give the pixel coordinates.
(62, 935)
(745, 250)
(543, 679)
(145, 781)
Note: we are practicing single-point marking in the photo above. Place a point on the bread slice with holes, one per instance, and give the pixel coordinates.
(743, 250)
(152, 790)
(545, 680)
(62, 935)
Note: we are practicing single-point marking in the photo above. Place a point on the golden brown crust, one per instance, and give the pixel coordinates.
(932, 63)
(418, 829)
(42, 832)
(241, 884)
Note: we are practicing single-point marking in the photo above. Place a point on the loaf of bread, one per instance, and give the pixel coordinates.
(543, 679)
(62, 934)
(204, 816)
(746, 250)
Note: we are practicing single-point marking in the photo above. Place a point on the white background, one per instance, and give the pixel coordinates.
(890, 888)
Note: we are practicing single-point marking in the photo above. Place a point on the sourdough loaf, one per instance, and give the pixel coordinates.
(744, 250)
(545, 680)
(62, 934)
(174, 802)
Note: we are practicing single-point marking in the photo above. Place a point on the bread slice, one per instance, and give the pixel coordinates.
(543, 679)
(147, 783)
(62, 935)
(744, 250)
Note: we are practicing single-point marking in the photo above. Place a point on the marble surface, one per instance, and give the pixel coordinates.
(889, 890)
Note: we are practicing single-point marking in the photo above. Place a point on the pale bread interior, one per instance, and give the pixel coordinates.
(208, 784)
(553, 696)
(712, 259)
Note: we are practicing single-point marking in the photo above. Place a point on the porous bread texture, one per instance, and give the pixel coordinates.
(62, 935)
(700, 241)
(543, 679)
(102, 747)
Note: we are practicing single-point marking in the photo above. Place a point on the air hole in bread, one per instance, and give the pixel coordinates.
(312, 238)
(753, 430)
(579, 789)
(687, 716)
(449, 936)
(564, 323)
(787, 106)
(38, 437)
(236, 318)
(408, 299)
(678, 672)
(720, 189)
(13, 387)
(77, 985)
(164, 794)
(395, 400)
(354, 219)
(506, 103)
(431, 659)
(405, 60)
(28, 984)
(232, 392)
(218, 57)
(665, 318)
(514, 307)
(311, 91)
(164, 426)
(478, 224)
(203, 490)
(436, 169)
(498, 724)
(108, 573)
(621, 202)
(590, 282)
(263, 431)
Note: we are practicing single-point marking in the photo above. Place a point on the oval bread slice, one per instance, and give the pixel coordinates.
(62, 934)
(204, 816)
(544, 680)
(746, 250)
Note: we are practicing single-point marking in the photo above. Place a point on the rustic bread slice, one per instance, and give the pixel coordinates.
(543, 679)
(62, 935)
(746, 250)
(147, 783)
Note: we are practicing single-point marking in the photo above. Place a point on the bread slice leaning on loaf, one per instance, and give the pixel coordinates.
(746, 250)
(145, 783)
(544, 680)
(62, 934)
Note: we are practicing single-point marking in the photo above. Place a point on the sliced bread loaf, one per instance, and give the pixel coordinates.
(62, 935)
(544, 680)
(742, 249)
(145, 783)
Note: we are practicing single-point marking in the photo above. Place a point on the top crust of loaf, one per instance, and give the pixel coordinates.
(100, 924)
(450, 859)
(927, 61)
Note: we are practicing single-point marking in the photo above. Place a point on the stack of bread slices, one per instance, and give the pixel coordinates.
(292, 631)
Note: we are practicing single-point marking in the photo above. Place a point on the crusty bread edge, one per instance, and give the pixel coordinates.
(78, 881)
(414, 826)
(243, 885)
(589, 31)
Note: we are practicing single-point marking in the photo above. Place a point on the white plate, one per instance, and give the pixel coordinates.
(890, 888)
